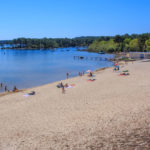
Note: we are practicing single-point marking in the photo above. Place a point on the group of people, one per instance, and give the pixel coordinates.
(116, 66)
(123, 73)
(80, 74)
(6, 88)
(61, 85)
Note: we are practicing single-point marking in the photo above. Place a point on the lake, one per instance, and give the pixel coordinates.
(29, 68)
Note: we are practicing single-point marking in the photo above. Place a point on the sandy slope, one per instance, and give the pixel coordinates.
(111, 113)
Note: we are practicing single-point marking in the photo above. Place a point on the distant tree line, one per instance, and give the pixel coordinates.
(118, 43)
(124, 43)
(47, 43)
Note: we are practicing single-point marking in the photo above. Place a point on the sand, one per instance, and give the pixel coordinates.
(111, 113)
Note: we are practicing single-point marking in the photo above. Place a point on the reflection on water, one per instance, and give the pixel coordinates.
(28, 68)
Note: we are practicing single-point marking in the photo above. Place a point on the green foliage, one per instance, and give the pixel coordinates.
(147, 43)
(141, 40)
(118, 43)
(122, 43)
(106, 46)
(118, 39)
(47, 43)
(127, 44)
(134, 45)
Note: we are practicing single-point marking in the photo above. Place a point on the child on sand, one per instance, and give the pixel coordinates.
(63, 89)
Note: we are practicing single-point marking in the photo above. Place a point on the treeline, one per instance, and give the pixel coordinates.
(118, 43)
(124, 43)
(47, 43)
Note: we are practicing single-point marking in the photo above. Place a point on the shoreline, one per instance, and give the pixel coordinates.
(27, 89)
(22, 83)
(24, 89)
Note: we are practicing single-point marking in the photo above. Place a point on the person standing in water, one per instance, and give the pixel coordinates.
(6, 88)
(67, 74)
(83, 73)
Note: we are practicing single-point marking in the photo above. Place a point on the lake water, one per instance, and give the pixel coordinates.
(29, 68)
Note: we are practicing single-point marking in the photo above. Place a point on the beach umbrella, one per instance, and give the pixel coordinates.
(88, 71)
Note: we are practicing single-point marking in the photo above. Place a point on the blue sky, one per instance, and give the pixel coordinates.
(72, 18)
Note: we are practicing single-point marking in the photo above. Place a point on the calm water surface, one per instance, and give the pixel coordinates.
(29, 68)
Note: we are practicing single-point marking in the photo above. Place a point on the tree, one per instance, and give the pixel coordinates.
(107, 46)
(118, 39)
(142, 39)
(134, 45)
(147, 43)
(126, 44)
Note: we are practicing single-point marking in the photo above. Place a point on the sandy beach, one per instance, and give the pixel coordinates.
(110, 113)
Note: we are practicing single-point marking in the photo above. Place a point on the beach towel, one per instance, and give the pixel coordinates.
(26, 95)
(71, 86)
(90, 75)
(91, 80)
(124, 74)
(29, 94)
(125, 71)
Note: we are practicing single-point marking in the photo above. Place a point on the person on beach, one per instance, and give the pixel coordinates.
(80, 74)
(66, 85)
(15, 89)
(118, 67)
(61, 84)
(1, 85)
(63, 89)
(90, 75)
(83, 73)
(116, 64)
(67, 74)
(6, 88)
